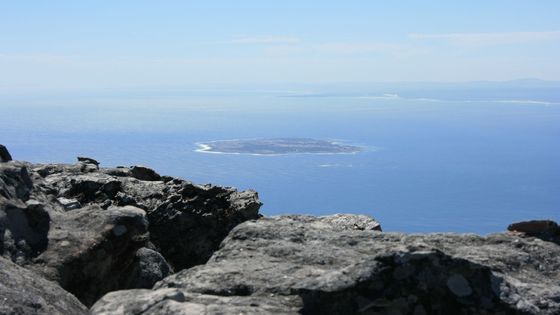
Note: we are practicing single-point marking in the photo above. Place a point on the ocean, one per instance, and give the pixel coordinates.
(428, 165)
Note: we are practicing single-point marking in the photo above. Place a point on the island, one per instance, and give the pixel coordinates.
(276, 146)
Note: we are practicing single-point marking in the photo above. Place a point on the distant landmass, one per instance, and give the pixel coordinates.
(276, 146)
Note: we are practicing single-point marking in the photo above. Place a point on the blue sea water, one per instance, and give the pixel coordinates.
(429, 165)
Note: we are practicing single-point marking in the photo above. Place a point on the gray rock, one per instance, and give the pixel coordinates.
(93, 249)
(193, 220)
(23, 229)
(4, 154)
(351, 222)
(118, 171)
(317, 269)
(69, 204)
(459, 286)
(174, 301)
(24, 292)
(187, 221)
(90, 248)
(94, 188)
(15, 181)
(147, 268)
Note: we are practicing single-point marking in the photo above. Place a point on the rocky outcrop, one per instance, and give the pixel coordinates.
(4, 154)
(544, 229)
(24, 292)
(305, 264)
(88, 160)
(190, 223)
(94, 230)
(187, 221)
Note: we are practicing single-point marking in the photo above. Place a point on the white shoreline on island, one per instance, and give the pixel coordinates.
(205, 147)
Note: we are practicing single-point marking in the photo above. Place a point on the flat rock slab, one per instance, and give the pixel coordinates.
(301, 264)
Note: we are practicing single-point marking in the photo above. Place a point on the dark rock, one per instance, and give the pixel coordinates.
(144, 173)
(191, 223)
(546, 230)
(23, 229)
(24, 292)
(94, 248)
(166, 179)
(93, 188)
(148, 268)
(536, 227)
(4, 154)
(123, 199)
(15, 181)
(90, 248)
(87, 160)
(313, 268)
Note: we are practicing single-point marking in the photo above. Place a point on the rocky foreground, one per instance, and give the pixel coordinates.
(79, 239)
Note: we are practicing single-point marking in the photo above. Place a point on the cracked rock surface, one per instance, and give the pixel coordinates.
(302, 264)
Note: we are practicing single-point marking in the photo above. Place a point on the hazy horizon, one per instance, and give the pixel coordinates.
(66, 45)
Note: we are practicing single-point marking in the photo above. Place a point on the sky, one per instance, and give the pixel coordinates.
(58, 45)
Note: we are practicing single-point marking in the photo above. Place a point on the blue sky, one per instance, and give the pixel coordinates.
(116, 44)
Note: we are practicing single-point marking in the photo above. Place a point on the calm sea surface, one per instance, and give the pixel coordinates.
(430, 166)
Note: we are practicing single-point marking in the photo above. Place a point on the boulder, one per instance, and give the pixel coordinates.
(4, 154)
(24, 292)
(536, 227)
(301, 264)
(90, 248)
(87, 160)
(147, 268)
(546, 230)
